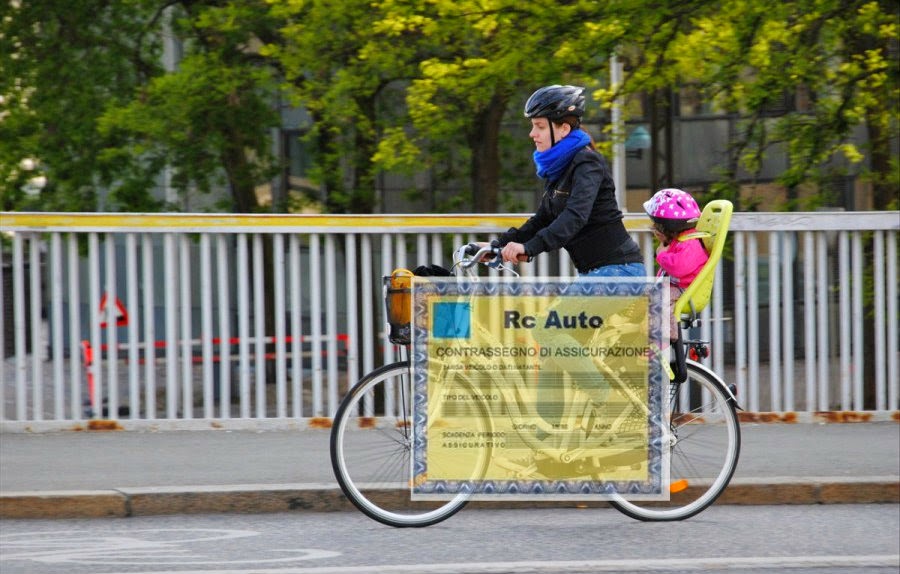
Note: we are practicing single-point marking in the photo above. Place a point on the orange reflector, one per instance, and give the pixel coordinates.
(678, 486)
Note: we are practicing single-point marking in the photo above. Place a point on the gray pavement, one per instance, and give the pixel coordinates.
(130, 473)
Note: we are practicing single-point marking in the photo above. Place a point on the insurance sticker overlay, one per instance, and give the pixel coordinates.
(537, 388)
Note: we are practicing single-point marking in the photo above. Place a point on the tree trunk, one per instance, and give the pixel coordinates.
(882, 190)
(362, 192)
(484, 141)
(243, 194)
(328, 161)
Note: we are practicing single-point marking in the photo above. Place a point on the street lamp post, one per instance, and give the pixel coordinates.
(618, 164)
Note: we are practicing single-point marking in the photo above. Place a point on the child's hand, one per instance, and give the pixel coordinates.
(659, 237)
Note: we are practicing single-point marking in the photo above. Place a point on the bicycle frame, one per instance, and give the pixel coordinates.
(699, 435)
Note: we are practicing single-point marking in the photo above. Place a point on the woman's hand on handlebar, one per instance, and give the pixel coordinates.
(514, 252)
(494, 254)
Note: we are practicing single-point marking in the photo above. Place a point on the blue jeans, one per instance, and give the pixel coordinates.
(618, 270)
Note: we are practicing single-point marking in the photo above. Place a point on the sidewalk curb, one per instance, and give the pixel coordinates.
(256, 498)
(324, 423)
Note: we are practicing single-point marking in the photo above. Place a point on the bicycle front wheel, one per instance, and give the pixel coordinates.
(704, 442)
(371, 449)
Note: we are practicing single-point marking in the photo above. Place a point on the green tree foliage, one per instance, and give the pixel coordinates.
(61, 64)
(336, 68)
(838, 60)
(401, 86)
(209, 121)
(478, 62)
(85, 95)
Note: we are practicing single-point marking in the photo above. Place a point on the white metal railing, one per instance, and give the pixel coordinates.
(787, 321)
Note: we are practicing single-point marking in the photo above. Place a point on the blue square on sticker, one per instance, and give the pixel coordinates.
(452, 321)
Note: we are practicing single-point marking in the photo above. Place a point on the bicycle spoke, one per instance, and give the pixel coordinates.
(705, 450)
(372, 465)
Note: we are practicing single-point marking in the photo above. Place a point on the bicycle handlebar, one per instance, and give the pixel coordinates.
(469, 255)
(473, 253)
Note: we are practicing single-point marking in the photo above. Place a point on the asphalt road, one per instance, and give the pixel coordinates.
(845, 538)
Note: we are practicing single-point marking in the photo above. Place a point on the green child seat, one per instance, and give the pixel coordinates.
(712, 229)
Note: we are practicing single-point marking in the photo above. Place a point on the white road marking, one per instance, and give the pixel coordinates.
(178, 549)
(142, 547)
(582, 566)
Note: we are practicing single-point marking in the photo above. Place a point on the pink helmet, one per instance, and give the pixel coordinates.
(673, 208)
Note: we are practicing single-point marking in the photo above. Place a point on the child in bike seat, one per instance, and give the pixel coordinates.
(680, 256)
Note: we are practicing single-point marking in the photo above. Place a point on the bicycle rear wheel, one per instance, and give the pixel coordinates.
(371, 455)
(705, 443)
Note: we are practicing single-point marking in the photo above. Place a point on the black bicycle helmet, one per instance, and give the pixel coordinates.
(556, 102)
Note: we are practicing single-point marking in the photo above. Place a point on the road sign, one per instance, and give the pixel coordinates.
(121, 314)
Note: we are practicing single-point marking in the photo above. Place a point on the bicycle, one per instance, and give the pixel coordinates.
(372, 462)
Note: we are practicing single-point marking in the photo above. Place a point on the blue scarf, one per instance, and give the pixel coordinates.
(551, 163)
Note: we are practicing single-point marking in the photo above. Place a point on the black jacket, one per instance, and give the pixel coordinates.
(578, 212)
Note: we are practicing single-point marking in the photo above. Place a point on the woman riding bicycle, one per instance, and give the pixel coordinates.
(578, 211)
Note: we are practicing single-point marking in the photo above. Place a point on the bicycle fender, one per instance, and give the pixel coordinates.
(732, 398)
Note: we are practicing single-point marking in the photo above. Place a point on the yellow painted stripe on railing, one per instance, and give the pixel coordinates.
(437, 223)
(230, 222)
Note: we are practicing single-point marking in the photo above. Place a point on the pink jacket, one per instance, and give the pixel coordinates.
(682, 260)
